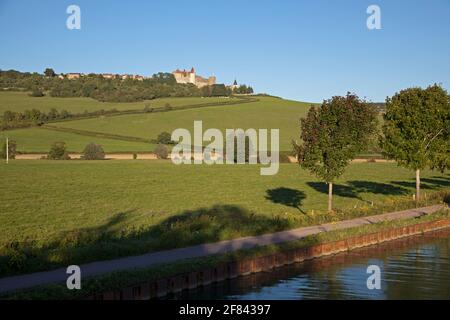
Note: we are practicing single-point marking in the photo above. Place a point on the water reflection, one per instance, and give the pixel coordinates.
(412, 268)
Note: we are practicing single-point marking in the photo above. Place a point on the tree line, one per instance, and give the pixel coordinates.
(95, 86)
(35, 117)
(415, 133)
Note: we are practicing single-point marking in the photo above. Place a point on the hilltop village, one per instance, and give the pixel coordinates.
(181, 76)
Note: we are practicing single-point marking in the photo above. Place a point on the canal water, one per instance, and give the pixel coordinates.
(416, 267)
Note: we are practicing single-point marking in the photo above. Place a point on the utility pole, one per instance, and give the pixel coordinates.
(7, 150)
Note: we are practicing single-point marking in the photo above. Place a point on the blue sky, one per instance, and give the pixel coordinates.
(304, 50)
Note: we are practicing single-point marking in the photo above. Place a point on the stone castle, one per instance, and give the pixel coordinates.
(183, 76)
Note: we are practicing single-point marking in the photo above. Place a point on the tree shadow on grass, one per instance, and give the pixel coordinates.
(437, 182)
(286, 196)
(433, 183)
(116, 238)
(412, 185)
(338, 189)
(356, 187)
(376, 188)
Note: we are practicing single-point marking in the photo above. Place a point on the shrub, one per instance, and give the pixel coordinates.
(148, 108)
(93, 152)
(134, 156)
(36, 93)
(12, 146)
(164, 138)
(161, 151)
(58, 152)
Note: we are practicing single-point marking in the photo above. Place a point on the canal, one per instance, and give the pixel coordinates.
(416, 267)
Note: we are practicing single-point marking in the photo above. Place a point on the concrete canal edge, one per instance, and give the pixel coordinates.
(232, 269)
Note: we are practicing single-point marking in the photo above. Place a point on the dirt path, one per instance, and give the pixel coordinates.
(168, 256)
(110, 156)
(151, 156)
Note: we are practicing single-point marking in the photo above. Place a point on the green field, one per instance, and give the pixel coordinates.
(267, 113)
(39, 140)
(21, 101)
(83, 210)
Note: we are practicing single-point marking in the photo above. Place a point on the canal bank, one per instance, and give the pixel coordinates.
(415, 267)
(164, 279)
(266, 263)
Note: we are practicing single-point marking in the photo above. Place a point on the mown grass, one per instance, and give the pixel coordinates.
(267, 113)
(124, 279)
(39, 140)
(21, 101)
(54, 212)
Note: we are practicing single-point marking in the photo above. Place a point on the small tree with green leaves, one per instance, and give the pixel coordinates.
(36, 92)
(58, 151)
(332, 135)
(161, 151)
(164, 138)
(12, 150)
(93, 152)
(416, 130)
(49, 72)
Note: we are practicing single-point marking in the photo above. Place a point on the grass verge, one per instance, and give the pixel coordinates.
(120, 280)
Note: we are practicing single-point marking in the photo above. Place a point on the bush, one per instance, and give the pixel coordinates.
(58, 152)
(134, 156)
(93, 152)
(148, 109)
(36, 93)
(12, 146)
(164, 138)
(161, 151)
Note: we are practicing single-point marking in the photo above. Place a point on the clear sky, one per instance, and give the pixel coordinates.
(304, 50)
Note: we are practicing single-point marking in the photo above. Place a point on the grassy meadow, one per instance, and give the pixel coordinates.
(39, 140)
(267, 113)
(21, 101)
(55, 211)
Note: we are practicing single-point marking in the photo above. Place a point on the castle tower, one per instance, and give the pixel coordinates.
(192, 76)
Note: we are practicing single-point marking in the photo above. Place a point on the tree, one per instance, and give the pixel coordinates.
(148, 108)
(219, 90)
(58, 151)
(49, 73)
(332, 135)
(248, 147)
(12, 150)
(416, 129)
(53, 114)
(164, 138)
(93, 152)
(36, 92)
(161, 151)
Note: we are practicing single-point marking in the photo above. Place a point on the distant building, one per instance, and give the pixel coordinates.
(71, 76)
(183, 76)
(234, 85)
(131, 76)
(108, 75)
